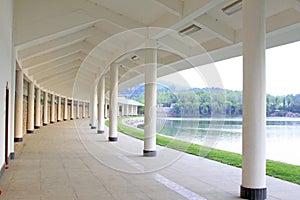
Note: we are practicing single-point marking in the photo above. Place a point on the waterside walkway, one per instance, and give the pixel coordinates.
(68, 160)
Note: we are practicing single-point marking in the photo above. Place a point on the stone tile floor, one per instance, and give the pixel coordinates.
(68, 160)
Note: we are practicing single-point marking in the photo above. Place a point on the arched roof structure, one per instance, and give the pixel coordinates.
(65, 45)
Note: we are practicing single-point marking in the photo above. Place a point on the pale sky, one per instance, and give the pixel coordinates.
(283, 71)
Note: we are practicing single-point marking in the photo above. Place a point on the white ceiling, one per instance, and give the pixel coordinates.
(65, 45)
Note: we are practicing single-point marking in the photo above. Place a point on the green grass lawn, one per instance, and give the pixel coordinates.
(276, 169)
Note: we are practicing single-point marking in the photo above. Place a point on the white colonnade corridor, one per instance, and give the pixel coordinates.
(69, 160)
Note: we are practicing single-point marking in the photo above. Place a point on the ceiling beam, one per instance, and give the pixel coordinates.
(100, 12)
(56, 43)
(53, 79)
(57, 84)
(174, 7)
(60, 61)
(216, 27)
(63, 20)
(54, 55)
(56, 71)
(62, 84)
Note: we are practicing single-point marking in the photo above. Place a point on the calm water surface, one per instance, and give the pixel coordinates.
(283, 135)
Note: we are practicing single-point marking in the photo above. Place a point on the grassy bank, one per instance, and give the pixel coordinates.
(280, 170)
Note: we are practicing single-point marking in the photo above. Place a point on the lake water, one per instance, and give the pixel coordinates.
(283, 135)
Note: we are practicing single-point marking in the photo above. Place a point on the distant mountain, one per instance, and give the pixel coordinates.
(139, 90)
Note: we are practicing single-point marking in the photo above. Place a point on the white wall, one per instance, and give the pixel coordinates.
(6, 69)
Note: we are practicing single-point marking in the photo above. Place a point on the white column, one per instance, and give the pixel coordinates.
(94, 108)
(90, 107)
(30, 110)
(66, 109)
(105, 109)
(113, 105)
(45, 122)
(254, 101)
(52, 114)
(101, 99)
(132, 112)
(135, 110)
(37, 120)
(59, 108)
(77, 109)
(127, 109)
(150, 103)
(72, 109)
(19, 107)
(83, 109)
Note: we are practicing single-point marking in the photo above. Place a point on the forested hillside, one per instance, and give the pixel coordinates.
(214, 101)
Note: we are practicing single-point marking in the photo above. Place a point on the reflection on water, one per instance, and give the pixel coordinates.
(283, 135)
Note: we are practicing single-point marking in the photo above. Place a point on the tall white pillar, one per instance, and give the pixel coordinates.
(113, 105)
(66, 109)
(72, 109)
(52, 114)
(135, 110)
(254, 101)
(37, 120)
(90, 109)
(131, 111)
(127, 110)
(45, 122)
(150, 103)
(83, 109)
(59, 108)
(77, 109)
(94, 108)
(30, 110)
(19, 107)
(105, 109)
(101, 99)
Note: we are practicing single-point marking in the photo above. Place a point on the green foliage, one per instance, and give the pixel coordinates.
(276, 169)
(214, 101)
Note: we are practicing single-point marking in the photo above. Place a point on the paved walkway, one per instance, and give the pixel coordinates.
(68, 160)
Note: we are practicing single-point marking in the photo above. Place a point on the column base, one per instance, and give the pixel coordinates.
(58, 120)
(52, 122)
(18, 139)
(12, 156)
(77, 117)
(93, 127)
(30, 131)
(65, 119)
(147, 153)
(45, 124)
(36, 127)
(2, 170)
(113, 139)
(100, 132)
(72, 118)
(255, 194)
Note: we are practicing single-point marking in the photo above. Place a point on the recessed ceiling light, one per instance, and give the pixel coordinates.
(135, 57)
(190, 29)
(233, 8)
